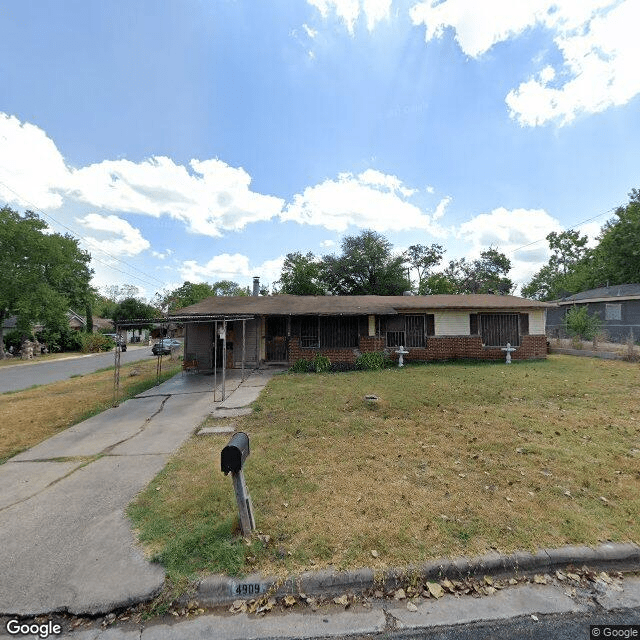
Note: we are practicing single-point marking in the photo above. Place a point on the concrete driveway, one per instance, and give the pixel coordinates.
(65, 543)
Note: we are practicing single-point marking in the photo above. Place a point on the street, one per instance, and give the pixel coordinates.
(24, 375)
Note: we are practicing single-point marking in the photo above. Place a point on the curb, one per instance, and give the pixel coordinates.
(218, 590)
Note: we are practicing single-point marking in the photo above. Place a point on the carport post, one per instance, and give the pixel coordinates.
(116, 371)
(244, 322)
(215, 358)
(224, 359)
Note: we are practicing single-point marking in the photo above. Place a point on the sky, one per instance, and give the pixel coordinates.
(202, 140)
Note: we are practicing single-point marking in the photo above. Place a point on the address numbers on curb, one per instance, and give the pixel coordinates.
(245, 589)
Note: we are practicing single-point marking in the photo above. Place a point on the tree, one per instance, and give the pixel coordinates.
(422, 259)
(367, 266)
(134, 309)
(42, 275)
(565, 272)
(486, 274)
(193, 292)
(301, 275)
(617, 256)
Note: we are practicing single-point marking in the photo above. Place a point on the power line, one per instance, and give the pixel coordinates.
(91, 243)
(577, 224)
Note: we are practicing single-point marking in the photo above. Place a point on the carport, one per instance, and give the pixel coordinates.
(219, 324)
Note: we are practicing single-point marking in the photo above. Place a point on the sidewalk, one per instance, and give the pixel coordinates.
(65, 543)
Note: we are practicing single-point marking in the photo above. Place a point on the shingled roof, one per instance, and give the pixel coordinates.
(352, 305)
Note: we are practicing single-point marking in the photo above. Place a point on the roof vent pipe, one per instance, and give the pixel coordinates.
(256, 286)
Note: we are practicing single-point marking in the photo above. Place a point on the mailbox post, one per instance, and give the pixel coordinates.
(232, 460)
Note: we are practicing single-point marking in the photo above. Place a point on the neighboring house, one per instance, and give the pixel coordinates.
(618, 308)
(76, 321)
(284, 328)
(79, 322)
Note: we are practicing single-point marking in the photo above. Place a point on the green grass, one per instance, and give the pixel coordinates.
(454, 459)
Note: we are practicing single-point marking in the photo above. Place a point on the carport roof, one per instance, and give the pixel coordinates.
(349, 305)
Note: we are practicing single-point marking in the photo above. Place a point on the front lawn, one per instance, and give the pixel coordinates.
(453, 459)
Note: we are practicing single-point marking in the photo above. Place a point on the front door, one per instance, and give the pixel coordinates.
(276, 339)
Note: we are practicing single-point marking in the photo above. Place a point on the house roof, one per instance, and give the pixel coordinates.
(352, 305)
(605, 294)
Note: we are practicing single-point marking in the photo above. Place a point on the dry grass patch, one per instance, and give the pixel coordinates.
(454, 459)
(30, 416)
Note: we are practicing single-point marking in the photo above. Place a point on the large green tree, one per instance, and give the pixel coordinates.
(486, 274)
(301, 275)
(367, 266)
(192, 292)
(42, 275)
(422, 259)
(565, 272)
(616, 259)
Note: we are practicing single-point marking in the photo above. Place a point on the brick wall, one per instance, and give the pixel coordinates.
(438, 348)
(296, 352)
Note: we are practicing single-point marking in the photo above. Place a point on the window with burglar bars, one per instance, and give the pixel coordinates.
(497, 329)
(414, 331)
(339, 332)
(309, 332)
(416, 328)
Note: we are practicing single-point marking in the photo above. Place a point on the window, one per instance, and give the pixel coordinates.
(339, 332)
(497, 329)
(414, 330)
(309, 332)
(613, 312)
(410, 331)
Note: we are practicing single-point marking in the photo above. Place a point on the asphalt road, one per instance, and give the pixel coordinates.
(574, 626)
(22, 376)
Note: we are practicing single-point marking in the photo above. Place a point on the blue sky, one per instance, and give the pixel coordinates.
(205, 139)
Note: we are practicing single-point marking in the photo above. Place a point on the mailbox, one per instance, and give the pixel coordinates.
(235, 453)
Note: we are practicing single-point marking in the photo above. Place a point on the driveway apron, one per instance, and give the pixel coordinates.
(65, 543)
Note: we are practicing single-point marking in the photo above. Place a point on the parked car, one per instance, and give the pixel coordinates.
(118, 339)
(165, 346)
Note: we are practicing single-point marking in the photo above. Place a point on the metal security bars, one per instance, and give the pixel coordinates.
(497, 329)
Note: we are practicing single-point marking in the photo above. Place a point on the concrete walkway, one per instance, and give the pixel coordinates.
(65, 543)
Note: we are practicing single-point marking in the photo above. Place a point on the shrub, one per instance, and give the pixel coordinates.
(95, 342)
(339, 367)
(321, 363)
(579, 324)
(301, 366)
(373, 361)
(14, 339)
(61, 339)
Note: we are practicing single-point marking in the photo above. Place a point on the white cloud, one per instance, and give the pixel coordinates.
(518, 233)
(327, 244)
(123, 240)
(210, 199)
(348, 11)
(368, 200)
(31, 166)
(597, 40)
(441, 208)
(235, 267)
(209, 196)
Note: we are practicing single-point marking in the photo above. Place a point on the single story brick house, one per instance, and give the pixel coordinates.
(255, 330)
(618, 308)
